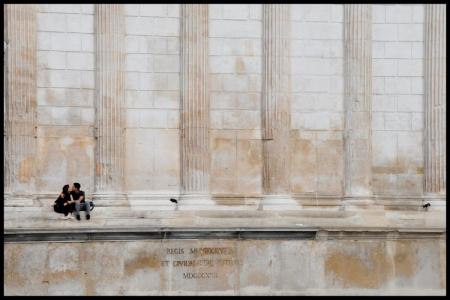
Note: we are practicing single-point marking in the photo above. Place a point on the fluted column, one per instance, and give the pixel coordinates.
(20, 98)
(358, 99)
(435, 98)
(195, 163)
(276, 99)
(110, 84)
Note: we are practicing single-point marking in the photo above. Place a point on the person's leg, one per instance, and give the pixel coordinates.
(77, 210)
(87, 204)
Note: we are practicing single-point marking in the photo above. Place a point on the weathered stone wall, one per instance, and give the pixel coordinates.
(236, 66)
(224, 267)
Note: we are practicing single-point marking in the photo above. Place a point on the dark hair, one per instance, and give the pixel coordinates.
(76, 185)
(65, 189)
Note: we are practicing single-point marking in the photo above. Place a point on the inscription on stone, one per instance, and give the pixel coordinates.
(217, 259)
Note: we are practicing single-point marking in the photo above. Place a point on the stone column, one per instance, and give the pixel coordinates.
(276, 112)
(110, 117)
(195, 158)
(358, 100)
(20, 102)
(435, 99)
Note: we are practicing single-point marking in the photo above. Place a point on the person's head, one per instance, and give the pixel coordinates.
(65, 189)
(76, 187)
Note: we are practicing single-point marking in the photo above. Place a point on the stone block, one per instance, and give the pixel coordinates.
(384, 103)
(417, 85)
(221, 100)
(131, 9)
(153, 10)
(397, 49)
(66, 116)
(215, 119)
(304, 166)
(384, 32)
(51, 22)
(398, 85)
(377, 121)
(215, 11)
(378, 49)
(251, 101)
(255, 11)
(410, 32)
(235, 83)
(87, 116)
(44, 41)
(384, 148)
(139, 63)
(384, 67)
(80, 23)
(418, 13)
(417, 121)
(87, 79)
(72, 42)
(166, 99)
(398, 13)
(44, 115)
(80, 61)
(87, 43)
(317, 121)
(166, 63)
(378, 85)
(223, 157)
(132, 80)
(151, 118)
(62, 8)
(173, 81)
(87, 8)
(249, 165)
(235, 28)
(173, 10)
(173, 119)
(417, 50)
(152, 81)
(52, 59)
(410, 103)
(132, 118)
(337, 13)
(235, 11)
(319, 30)
(378, 14)
(397, 121)
(410, 67)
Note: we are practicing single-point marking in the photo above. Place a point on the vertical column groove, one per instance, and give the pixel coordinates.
(110, 58)
(195, 163)
(20, 98)
(276, 99)
(358, 99)
(435, 98)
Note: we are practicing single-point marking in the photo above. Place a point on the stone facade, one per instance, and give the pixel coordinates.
(323, 115)
(330, 147)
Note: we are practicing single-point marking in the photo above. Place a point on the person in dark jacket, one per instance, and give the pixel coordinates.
(63, 203)
(80, 202)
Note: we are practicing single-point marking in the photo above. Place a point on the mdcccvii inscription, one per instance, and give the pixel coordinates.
(198, 262)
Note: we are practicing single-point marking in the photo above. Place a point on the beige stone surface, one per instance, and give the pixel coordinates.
(225, 267)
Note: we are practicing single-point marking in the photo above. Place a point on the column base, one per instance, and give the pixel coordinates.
(110, 199)
(279, 202)
(19, 200)
(195, 201)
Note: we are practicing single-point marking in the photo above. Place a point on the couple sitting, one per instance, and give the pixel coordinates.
(71, 200)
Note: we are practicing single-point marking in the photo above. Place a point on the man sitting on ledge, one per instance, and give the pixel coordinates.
(80, 202)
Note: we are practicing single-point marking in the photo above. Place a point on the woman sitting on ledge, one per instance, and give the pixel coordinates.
(63, 204)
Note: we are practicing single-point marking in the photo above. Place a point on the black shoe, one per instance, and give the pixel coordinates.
(78, 217)
(88, 217)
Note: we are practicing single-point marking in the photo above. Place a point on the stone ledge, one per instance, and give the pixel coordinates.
(283, 233)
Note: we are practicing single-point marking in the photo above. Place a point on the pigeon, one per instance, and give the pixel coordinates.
(426, 205)
(173, 200)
